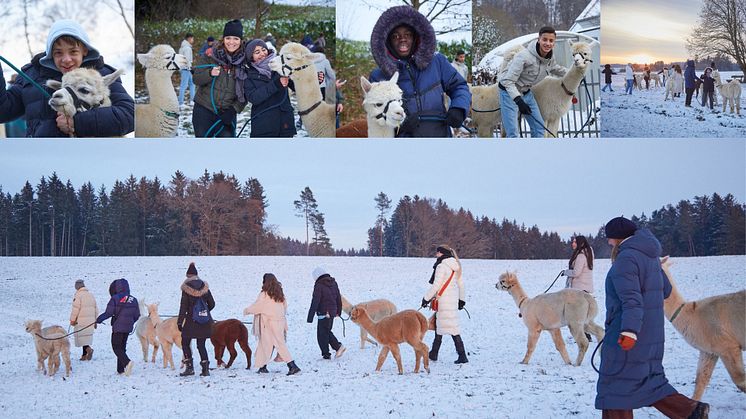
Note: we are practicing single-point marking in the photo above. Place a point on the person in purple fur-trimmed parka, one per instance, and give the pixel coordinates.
(403, 40)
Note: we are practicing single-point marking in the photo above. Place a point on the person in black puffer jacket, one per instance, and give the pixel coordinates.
(326, 305)
(124, 312)
(68, 48)
(193, 289)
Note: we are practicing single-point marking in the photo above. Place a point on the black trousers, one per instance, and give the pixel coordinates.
(708, 95)
(689, 93)
(119, 346)
(204, 122)
(186, 347)
(325, 336)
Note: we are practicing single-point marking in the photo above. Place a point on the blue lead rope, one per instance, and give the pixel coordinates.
(25, 76)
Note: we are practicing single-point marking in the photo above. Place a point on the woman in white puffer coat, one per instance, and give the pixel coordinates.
(446, 298)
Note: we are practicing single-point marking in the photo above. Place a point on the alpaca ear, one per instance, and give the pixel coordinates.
(111, 78)
(54, 84)
(365, 84)
(315, 56)
(571, 42)
(143, 59)
(395, 77)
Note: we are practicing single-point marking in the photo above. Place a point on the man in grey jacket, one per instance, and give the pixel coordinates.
(528, 67)
(186, 73)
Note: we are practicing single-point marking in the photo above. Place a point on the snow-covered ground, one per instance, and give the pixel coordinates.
(645, 114)
(492, 384)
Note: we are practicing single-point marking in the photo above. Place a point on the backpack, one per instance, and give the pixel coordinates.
(200, 311)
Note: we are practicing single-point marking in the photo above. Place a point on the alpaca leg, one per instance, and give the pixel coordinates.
(40, 363)
(425, 360)
(417, 354)
(155, 350)
(595, 330)
(371, 340)
(382, 357)
(363, 338)
(705, 366)
(733, 361)
(560, 344)
(232, 351)
(533, 337)
(397, 357)
(144, 346)
(166, 353)
(66, 358)
(219, 349)
(579, 334)
(244, 344)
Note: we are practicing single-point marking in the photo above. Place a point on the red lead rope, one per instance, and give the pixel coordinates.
(434, 304)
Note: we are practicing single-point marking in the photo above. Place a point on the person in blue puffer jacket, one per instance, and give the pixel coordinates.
(68, 48)
(631, 373)
(403, 40)
(124, 311)
(690, 82)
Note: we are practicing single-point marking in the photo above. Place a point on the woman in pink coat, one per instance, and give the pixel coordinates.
(580, 272)
(269, 311)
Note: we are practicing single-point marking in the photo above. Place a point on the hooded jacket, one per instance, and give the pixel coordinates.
(690, 77)
(447, 318)
(423, 77)
(527, 69)
(23, 99)
(122, 307)
(326, 298)
(635, 289)
(186, 50)
(192, 289)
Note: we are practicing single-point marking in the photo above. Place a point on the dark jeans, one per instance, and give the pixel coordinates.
(119, 346)
(186, 346)
(708, 95)
(204, 121)
(689, 93)
(325, 336)
(674, 406)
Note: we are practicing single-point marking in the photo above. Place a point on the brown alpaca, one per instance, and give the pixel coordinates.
(377, 309)
(145, 331)
(716, 326)
(225, 333)
(49, 349)
(405, 326)
(570, 307)
(168, 335)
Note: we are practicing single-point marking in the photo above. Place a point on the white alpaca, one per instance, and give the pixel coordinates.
(297, 62)
(731, 92)
(673, 86)
(80, 90)
(383, 105)
(145, 330)
(554, 95)
(168, 334)
(160, 117)
(49, 349)
(485, 109)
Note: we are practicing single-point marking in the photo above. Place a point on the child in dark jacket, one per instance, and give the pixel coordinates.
(708, 87)
(326, 305)
(124, 311)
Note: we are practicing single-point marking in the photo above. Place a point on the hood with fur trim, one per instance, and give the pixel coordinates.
(195, 287)
(424, 42)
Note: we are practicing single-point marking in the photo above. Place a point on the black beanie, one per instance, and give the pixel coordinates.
(233, 28)
(620, 228)
(192, 270)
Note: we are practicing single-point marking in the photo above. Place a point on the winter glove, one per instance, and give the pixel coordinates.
(425, 303)
(522, 106)
(179, 326)
(246, 311)
(562, 272)
(626, 342)
(228, 116)
(455, 117)
(73, 322)
(409, 125)
(461, 304)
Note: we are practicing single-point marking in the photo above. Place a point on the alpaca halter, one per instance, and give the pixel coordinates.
(78, 104)
(292, 70)
(583, 55)
(569, 93)
(676, 313)
(309, 110)
(386, 108)
(172, 61)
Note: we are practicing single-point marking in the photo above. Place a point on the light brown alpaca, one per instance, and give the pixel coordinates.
(168, 335)
(570, 307)
(145, 331)
(716, 326)
(405, 326)
(377, 309)
(49, 349)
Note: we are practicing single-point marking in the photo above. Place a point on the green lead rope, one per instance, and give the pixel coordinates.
(25, 76)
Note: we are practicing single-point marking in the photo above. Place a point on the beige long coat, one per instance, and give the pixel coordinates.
(581, 276)
(273, 326)
(84, 312)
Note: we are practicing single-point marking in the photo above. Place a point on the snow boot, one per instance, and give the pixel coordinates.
(262, 370)
(702, 411)
(189, 368)
(205, 368)
(433, 355)
(89, 354)
(460, 350)
(292, 368)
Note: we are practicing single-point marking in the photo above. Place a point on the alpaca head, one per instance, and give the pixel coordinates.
(80, 90)
(716, 75)
(383, 101)
(582, 53)
(357, 313)
(163, 57)
(153, 312)
(33, 326)
(293, 57)
(506, 281)
(508, 57)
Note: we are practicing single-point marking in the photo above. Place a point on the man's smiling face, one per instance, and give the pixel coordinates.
(402, 40)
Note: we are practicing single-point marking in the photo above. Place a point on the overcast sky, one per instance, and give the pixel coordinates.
(563, 186)
(643, 31)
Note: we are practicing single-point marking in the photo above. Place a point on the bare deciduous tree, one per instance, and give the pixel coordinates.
(446, 16)
(721, 31)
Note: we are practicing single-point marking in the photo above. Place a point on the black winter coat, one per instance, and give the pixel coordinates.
(265, 94)
(326, 298)
(607, 75)
(708, 83)
(192, 289)
(22, 99)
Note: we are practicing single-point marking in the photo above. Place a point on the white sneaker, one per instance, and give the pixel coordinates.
(340, 352)
(128, 368)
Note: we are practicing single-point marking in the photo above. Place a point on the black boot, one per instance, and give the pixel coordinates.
(702, 411)
(433, 355)
(588, 335)
(205, 368)
(292, 368)
(189, 368)
(460, 350)
(262, 370)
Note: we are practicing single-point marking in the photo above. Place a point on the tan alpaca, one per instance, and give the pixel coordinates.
(377, 309)
(570, 307)
(49, 349)
(731, 92)
(405, 326)
(485, 109)
(168, 335)
(145, 331)
(716, 326)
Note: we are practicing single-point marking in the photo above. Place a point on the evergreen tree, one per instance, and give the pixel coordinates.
(306, 207)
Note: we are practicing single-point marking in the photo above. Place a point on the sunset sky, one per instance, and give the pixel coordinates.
(641, 31)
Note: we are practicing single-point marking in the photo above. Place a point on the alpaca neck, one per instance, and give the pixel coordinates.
(308, 94)
(367, 323)
(516, 291)
(160, 89)
(346, 306)
(573, 77)
(674, 301)
(155, 318)
(378, 131)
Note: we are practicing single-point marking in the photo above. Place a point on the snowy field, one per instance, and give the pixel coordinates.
(492, 384)
(646, 114)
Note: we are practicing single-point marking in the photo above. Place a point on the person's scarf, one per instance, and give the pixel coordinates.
(263, 66)
(437, 262)
(236, 62)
